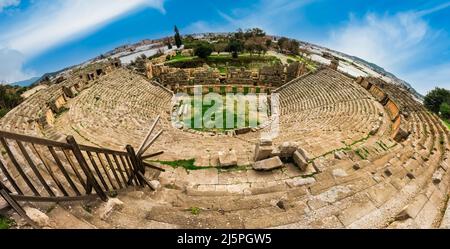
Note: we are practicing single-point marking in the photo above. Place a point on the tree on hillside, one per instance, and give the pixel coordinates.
(169, 44)
(250, 46)
(445, 110)
(255, 32)
(255, 45)
(293, 46)
(282, 43)
(289, 45)
(239, 35)
(141, 64)
(203, 50)
(220, 47)
(178, 40)
(435, 98)
(10, 98)
(235, 47)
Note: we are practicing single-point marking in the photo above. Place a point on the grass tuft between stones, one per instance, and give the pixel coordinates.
(186, 164)
(5, 223)
(195, 210)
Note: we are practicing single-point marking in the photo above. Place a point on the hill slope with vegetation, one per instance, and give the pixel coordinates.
(10, 98)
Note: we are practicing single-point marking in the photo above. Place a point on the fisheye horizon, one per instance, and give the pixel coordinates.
(239, 115)
(35, 43)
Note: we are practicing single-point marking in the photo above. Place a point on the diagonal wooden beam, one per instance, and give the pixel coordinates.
(148, 134)
(16, 206)
(147, 146)
(144, 157)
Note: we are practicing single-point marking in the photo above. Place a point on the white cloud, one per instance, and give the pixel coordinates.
(66, 20)
(391, 41)
(204, 27)
(428, 78)
(403, 43)
(8, 3)
(273, 16)
(51, 23)
(11, 67)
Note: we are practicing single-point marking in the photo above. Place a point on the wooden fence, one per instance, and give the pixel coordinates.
(39, 170)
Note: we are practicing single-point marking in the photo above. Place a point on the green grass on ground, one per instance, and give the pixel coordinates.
(226, 113)
(180, 57)
(4, 111)
(223, 62)
(447, 123)
(5, 223)
(186, 164)
(309, 64)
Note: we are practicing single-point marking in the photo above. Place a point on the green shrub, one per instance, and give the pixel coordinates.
(444, 110)
(3, 112)
(5, 223)
(435, 98)
(195, 210)
(203, 50)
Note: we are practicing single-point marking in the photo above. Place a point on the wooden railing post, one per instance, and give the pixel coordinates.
(91, 182)
(137, 165)
(4, 192)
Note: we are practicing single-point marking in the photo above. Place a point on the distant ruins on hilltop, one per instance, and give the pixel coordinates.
(95, 146)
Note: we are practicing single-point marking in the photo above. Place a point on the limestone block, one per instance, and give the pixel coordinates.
(445, 224)
(375, 128)
(227, 158)
(57, 104)
(401, 135)
(305, 154)
(268, 164)
(339, 173)
(155, 184)
(71, 92)
(300, 181)
(137, 194)
(438, 175)
(287, 150)
(265, 142)
(112, 205)
(243, 131)
(359, 79)
(300, 161)
(37, 216)
(339, 155)
(263, 149)
(413, 209)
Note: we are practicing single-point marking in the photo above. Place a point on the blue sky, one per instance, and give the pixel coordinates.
(408, 38)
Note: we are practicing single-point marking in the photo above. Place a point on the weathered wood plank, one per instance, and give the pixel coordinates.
(18, 167)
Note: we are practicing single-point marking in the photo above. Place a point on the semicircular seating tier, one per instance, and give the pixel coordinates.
(377, 157)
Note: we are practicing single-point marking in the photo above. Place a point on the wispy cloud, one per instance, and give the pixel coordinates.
(8, 3)
(274, 16)
(399, 42)
(65, 20)
(429, 77)
(390, 41)
(402, 42)
(433, 10)
(11, 66)
(51, 23)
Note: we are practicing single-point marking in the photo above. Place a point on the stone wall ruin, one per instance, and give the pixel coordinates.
(274, 76)
(399, 132)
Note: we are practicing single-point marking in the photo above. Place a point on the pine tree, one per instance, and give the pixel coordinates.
(178, 41)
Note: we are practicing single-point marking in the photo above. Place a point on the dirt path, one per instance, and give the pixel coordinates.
(282, 57)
